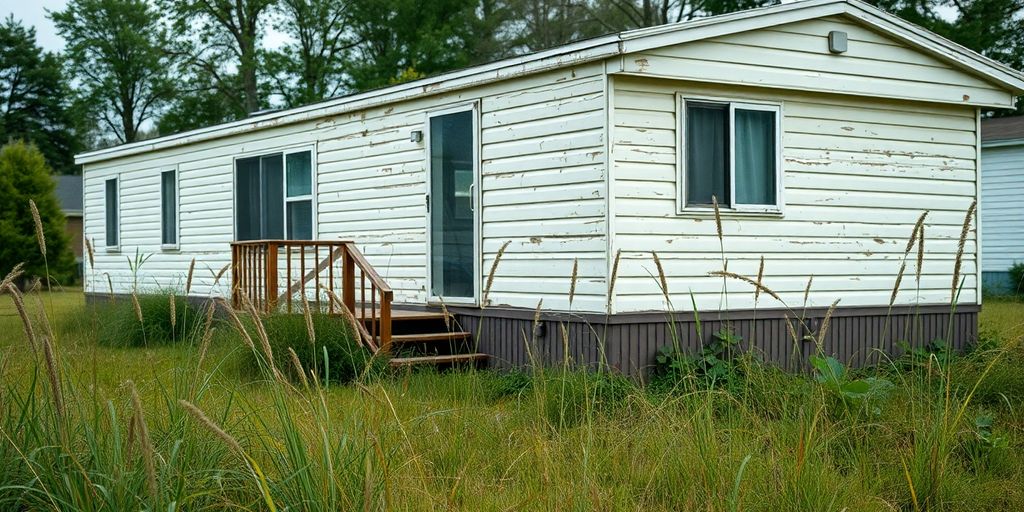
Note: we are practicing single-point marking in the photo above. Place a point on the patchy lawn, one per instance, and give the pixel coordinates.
(930, 435)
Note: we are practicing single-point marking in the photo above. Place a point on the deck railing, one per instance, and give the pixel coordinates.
(276, 275)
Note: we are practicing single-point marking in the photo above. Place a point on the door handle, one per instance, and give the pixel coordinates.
(426, 199)
(472, 197)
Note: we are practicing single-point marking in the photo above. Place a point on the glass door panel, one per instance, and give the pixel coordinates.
(452, 224)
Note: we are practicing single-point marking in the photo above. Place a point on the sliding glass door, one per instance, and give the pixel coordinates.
(452, 214)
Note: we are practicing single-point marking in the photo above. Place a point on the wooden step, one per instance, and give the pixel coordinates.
(448, 359)
(428, 337)
(403, 314)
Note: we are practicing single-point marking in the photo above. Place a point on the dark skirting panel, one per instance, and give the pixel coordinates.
(629, 343)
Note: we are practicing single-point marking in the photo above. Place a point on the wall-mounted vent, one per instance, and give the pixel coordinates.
(837, 41)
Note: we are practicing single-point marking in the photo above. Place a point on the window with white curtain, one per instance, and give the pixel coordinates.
(274, 196)
(730, 151)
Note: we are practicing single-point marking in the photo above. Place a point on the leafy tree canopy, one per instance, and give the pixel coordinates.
(24, 175)
(116, 51)
(35, 102)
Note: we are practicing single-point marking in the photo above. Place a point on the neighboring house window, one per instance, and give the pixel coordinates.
(274, 196)
(169, 208)
(731, 151)
(112, 215)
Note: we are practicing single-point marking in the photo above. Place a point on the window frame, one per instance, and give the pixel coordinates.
(116, 247)
(177, 211)
(311, 197)
(284, 152)
(732, 103)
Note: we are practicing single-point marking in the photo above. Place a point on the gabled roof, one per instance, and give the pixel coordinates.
(69, 194)
(596, 49)
(1002, 131)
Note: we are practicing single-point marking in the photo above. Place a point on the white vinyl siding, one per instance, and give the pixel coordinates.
(542, 189)
(1002, 210)
(796, 56)
(857, 174)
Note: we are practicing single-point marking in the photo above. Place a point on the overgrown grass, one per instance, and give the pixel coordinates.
(557, 439)
(160, 318)
(325, 347)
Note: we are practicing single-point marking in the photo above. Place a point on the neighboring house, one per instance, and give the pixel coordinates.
(69, 195)
(824, 128)
(1002, 187)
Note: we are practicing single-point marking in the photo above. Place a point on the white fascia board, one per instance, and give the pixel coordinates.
(684, 32)
(563, 56)
(937, 45)
(754, 19)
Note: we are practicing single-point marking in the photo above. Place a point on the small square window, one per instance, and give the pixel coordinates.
(730, 153)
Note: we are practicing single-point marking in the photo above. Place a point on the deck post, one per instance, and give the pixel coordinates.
(235, 276)
(348, 278)
(271, 277)
(385, 323)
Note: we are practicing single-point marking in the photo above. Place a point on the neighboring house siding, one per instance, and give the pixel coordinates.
(796, 56)
(1002, 213)
(857, 173)
(543, 188)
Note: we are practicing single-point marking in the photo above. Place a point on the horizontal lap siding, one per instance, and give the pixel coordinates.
(205, 177)
(857, 174)
(796, 55)
(544, 192)
(542, 151)
(1002, 213)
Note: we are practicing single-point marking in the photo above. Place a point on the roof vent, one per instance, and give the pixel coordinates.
(837, 41)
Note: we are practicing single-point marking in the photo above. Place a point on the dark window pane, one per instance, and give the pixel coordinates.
(707, 163)
(451, 214)
(168, 208)
(111, 207)
(273, 197)
(247, 199)
(300, 220)
(300, 182)
(755, 157)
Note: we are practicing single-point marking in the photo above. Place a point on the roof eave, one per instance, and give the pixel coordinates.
(568, 55)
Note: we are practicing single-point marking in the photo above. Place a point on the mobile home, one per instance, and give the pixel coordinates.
(1002, 186)
(823, 129)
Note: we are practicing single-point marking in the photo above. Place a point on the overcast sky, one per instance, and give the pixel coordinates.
(33, 13)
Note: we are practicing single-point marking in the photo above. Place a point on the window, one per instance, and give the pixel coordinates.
(731, 151)
(169, 209)
(274, 196)
(111, 213)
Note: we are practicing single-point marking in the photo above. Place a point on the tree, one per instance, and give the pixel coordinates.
(198, 103)
(548, 23)
(617, 15)
(24, 175)
(115, 49)
(401, 40)
(35, 101)
(225, 51)
(311, 66)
